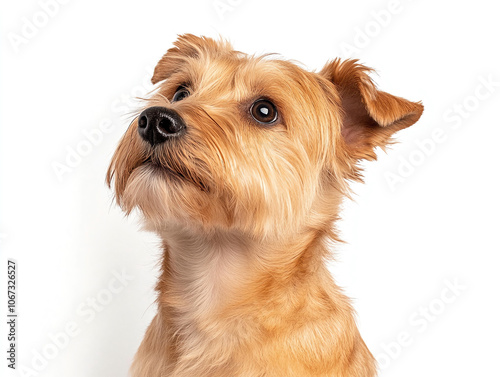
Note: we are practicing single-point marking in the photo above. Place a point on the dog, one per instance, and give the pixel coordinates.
(239, 164)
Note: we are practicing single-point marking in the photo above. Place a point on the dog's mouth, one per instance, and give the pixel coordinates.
(179, 173)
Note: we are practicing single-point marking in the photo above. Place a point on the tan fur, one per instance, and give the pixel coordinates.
(247, 218)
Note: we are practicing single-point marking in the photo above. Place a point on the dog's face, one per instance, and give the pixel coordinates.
(250, 143)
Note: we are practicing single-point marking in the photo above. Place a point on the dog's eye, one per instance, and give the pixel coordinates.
(180, 94)
(264, 111)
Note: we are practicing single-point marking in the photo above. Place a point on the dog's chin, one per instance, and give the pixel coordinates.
(152, 168)
(164, 196)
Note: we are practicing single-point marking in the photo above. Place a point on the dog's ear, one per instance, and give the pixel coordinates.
(186, 47)
(370, 116)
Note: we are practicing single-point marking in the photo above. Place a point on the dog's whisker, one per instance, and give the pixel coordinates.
(165, 98)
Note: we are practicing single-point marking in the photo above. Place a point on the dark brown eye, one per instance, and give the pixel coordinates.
(264, 111)
(180, 94)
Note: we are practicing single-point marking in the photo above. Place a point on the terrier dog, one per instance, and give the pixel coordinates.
(239, 163)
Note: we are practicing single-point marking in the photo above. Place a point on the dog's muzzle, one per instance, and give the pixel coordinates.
(157, 124)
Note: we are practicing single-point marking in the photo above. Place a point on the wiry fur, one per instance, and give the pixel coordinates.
(246, 212)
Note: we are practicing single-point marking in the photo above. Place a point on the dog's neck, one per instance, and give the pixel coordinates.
(203, 268)
(207, 273)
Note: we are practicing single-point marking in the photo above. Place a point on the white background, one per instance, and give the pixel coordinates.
(406, 242)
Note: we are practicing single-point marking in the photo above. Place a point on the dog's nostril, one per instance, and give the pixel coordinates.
(143, 122)
(167, 125)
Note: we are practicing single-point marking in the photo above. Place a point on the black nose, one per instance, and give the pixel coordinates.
(157, 124)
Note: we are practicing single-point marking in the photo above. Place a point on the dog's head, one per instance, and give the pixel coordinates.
(254, 144)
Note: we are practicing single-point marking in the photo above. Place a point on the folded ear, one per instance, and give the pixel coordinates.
(370, 116)
(186, 47)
